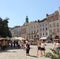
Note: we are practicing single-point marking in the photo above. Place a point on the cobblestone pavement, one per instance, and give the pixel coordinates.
(20, 53)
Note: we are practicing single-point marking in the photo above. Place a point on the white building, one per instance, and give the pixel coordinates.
(54, 23)
(44, 28)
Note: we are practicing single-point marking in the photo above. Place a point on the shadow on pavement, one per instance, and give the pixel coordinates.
(33, 56)
(3, 51)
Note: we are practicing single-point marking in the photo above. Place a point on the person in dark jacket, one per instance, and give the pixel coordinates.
(27, 48)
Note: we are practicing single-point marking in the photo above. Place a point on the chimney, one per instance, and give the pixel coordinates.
(47, 15)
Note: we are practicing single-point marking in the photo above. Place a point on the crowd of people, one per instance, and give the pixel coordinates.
(41, 47)
(56, 44)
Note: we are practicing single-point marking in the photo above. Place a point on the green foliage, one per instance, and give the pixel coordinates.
(55, 54)
(4, 29)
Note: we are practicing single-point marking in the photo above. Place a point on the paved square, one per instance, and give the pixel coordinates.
(20, 53)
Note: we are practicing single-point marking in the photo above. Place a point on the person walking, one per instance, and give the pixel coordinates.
(27, 48)
(56, 45)
(43, 47)
(38, 47)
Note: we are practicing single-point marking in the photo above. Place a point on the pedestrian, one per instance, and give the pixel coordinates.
(39, 47)
(27, 48)
(56, 45)
(43, 47)
(22, 45)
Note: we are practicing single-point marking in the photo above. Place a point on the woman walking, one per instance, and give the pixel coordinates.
(43, 47)
(39, 47)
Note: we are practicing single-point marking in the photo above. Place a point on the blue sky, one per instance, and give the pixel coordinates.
(17, 10)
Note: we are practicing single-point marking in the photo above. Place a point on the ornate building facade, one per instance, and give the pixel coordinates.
(43, 28)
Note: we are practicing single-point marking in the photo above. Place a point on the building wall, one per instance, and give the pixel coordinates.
(16, 31)
(49, 25)
(54, 27)
(23, 31)
(44, 28)
(54, 23)
(32, 29)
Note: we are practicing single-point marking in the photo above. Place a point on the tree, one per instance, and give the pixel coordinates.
(4, 29)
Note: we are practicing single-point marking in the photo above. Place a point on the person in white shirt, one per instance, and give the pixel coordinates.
(38, 47)
(43, 47)
(56, 44)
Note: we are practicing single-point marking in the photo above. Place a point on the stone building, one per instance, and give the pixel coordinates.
(54, 23)
(15, 31)
(36, 29)
(23, 31)
(32, 30)
(43, 28)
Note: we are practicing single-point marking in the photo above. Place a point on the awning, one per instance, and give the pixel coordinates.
(31, 39)
(17, 38)
(43, 38)
(2, 38)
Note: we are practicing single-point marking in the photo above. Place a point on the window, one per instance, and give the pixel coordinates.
(50, 31)
(40, 25)
(40, 34)
(57, 30)
(43, 29)
(34, 26)
(53, 24)
(43, 24)
(54, 30)
(37, 26)
(50, 25)
(43, 33)
(46, 33)
(46, 28)
(57, 24)
(46, 24)
(40, 30)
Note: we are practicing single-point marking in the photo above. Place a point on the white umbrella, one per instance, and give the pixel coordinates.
(14, 38)
(17, 38)
(20, 38)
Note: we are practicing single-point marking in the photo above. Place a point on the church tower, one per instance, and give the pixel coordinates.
(27, 19)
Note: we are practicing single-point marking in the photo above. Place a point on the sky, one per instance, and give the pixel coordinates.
(17, 10)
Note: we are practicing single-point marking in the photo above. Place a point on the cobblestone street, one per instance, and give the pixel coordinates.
(20, 53)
